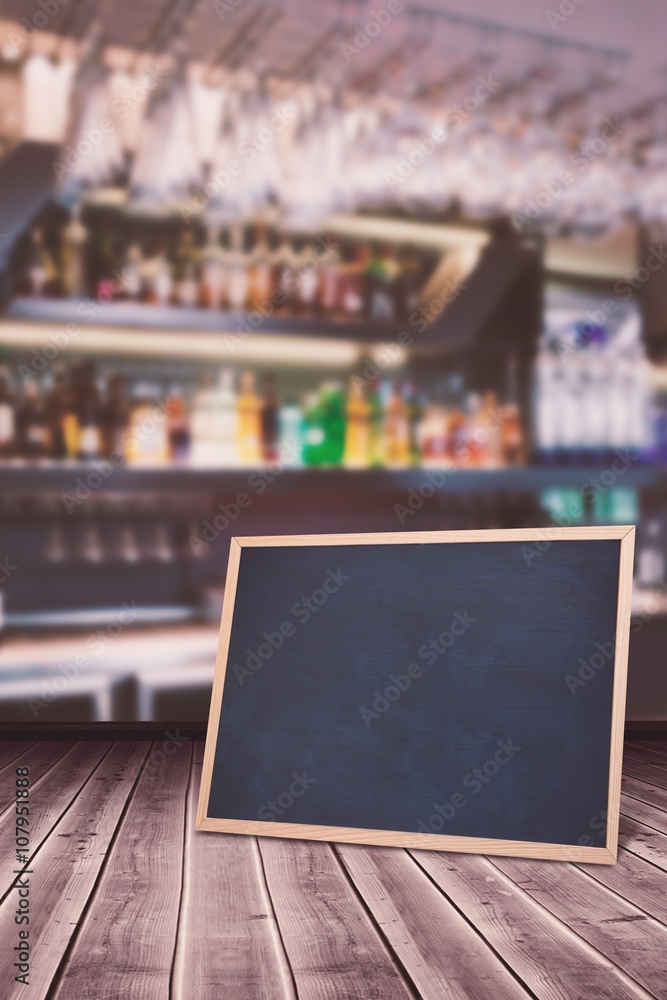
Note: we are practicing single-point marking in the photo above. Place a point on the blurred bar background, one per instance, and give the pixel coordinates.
(286, 268)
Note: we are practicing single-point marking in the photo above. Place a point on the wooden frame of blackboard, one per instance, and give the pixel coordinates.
(427, 841)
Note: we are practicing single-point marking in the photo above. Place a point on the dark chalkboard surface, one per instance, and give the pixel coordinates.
(449, 690)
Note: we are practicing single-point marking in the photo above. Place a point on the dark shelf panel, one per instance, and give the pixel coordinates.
(139, 315)
(60, 478)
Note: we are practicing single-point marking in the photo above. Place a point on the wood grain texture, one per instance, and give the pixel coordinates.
(635, 942)
(397, 815)
(440, 951)
(641, 839)
(554, 962)
(129, 929)
(50, 796)
(332, 948)
(129, 901)
(65, 869)
(648, 773)
(228, 939)
(40, 757)
(641, 883)
(9, 752)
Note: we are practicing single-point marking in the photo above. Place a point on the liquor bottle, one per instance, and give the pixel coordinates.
(32, 428)
(186, 270)
(457, 431)
(70, 417)
(89, 412)
(178, 428)
(487, 428)
(115, 416)
(308, 278)
(376, 424)
(329, 291)
(249, 431)
(414, 404)
(42, 271)
(268, 420)
(396, 430)
(146, 439)
(332, 404)
(56, 407)
(131, 286)
(357, 436)
(380, 294)
(157, 277)
(545, 403)
(407, 283)
(433, 435)
(284, 275)
(313, 430)
(511, 432)
(353, 282)
(236, 262)
(7, 422)
(290, 422)
(651, 556)
(259, 277)
(74, 239)
(213, 271)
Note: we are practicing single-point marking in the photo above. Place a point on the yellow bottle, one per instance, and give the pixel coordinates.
(357, 431)
(249, 406)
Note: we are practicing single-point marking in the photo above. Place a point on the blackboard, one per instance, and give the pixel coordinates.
(446, 690)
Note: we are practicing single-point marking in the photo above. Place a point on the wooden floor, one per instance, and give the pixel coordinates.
(128, 902)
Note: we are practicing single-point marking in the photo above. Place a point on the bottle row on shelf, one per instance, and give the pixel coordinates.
(229, 423)
(237, 269)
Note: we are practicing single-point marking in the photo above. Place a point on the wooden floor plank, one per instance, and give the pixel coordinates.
(642, 812)
(228, 940)
(553, 961)
(66, 867)
(643, 840)
(441, 952)
(638, 881)
(626, 936)
(50, 796)
(644, 791)
(40, 757)
(333, 947)
(127, 937)
(642, 755)
(9, 751)
(646, 772)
